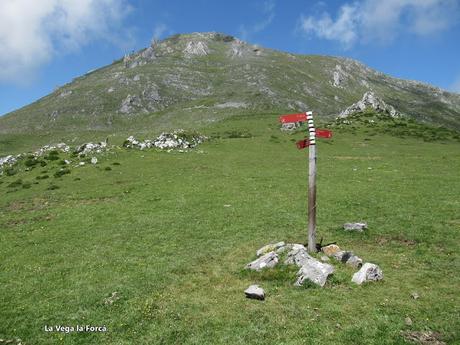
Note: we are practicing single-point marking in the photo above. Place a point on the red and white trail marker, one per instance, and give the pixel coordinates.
(309, 142)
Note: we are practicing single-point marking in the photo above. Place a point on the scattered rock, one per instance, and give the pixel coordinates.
(348, 258)
(370, 100)
(291, 126)
(408, 321)
(65, 93)
(368, 272)
(270, 248)
(93, 160)
(112, 299)
(424, 337)
(359, 227)
(255, 292)
(176, 140)
(315, 271)
(268, 260)
(111, 89)
(330, 249)
(298, 256)
(415, 295)
(88, 148)
(63, 147)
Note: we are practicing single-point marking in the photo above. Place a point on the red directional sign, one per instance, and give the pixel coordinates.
(293, 118)
(301, 144)
(323, 133)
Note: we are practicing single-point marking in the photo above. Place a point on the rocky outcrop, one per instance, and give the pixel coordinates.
(370, 100)
(91, 148)
(140, 58)
(129, 104)
(193, 48)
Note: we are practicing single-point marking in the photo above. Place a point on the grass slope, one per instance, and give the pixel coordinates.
(157, 228)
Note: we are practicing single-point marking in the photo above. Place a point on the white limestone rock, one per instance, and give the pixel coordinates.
(255, 292)
(268, 260)
(368, 272)
(370, 100)
(198, 48)
(314, 271)
(359, 227)
(272, 247)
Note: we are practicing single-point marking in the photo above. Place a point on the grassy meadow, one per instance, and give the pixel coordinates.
(171, 232)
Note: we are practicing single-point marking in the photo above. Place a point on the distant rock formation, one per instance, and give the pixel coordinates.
(370, 100)
(193, 48)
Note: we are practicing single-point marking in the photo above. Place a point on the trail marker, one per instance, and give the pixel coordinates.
(309, 142)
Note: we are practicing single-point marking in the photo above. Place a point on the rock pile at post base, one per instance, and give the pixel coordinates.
(310, 268)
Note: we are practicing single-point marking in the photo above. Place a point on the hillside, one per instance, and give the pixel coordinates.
(192, 80)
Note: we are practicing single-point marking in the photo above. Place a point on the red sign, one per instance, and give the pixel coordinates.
(293, 118)
(301, 144)
(323, 133)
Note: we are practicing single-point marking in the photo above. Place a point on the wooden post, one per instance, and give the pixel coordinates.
(312, 198)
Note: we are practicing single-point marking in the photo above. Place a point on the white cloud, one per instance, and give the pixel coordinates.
(268, 13)
(382, 21)
(32, 32)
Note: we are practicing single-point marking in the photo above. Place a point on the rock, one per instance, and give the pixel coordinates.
(129, 103)
(270, 248)
(315, 271)
(370, 100)
(324, 258)
(255, 292)
(195, 48)
(330, 249)
(298, 256)
(65, 93)
(408, 321)
(348, 258)
(93, 160)
(112, 299)
(368, 272)
(268, 260)
(359, 227)
(110, 90)
(87, 148)
(291, 126)
(415, 295)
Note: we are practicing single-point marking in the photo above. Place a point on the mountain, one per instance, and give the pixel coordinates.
(190, 80)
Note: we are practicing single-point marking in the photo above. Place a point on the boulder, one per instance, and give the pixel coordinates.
(315, 271)
(359, 227)
(348, 258)
(270, 248)
(368, 272)
(255, 292)
(330, 249)
(268, 260)
(298, 256)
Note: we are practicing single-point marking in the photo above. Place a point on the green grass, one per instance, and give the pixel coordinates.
(155, 230)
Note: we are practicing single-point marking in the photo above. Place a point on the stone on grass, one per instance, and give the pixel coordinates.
(324, 258)
(268, 260)
(94, 160)
(255, 292)
(368, 272)
(330, 249)
(408, 321)
(270, 248)
(359, 227)
(298, 257)
(415, 295)
(348, 258)
(314, 271)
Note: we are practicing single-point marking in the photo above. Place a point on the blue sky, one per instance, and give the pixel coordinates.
(46, 43)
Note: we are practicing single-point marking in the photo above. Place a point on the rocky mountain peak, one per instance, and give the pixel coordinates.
(370, 100)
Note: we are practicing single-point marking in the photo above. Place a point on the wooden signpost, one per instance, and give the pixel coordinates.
(309, 142)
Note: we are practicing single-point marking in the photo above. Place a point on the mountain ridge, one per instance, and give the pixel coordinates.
(192, 79)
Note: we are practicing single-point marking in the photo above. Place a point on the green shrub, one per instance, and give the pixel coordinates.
(27, 185)
(61, 172)
(116, 163)
(11, 171)
(42, 177)
(107, 168)
(52, 187)
(16, 183)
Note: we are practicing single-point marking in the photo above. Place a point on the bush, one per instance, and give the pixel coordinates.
(52, 187)
(11, 171)
(27, 185)
(116, 163)
(42, 177)
(16, 183)
(61, 173)
(107, 168)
